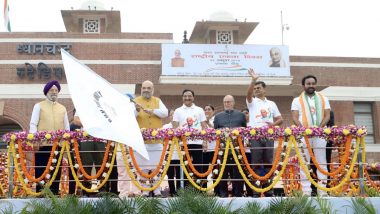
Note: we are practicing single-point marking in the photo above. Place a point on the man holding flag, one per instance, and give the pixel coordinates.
(104, 112)
(150, 111)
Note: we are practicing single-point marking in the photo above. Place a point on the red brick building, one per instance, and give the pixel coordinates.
(29, 60)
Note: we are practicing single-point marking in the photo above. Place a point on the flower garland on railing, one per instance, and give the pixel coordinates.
(150, 184)
(160, 163)
(305, 168)
(277, 174)
(105, 175)
(105, 162)
(289, 134)
(50, 165)
(291, 177)
(25, 181)
(190, 163)
(251, 173)
(3, 174)
(217, 172)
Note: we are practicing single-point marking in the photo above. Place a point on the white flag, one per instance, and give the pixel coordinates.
(104, 112)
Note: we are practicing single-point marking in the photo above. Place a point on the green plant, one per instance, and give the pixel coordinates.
(253, 207)
(297, 204)
(325, 206)
(6, 207)
(190, 201)
(362, 206)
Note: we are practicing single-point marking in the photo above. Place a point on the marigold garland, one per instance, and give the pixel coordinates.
(291, 178)
(248, 133)
(133, 178)
(190, 162)
(79, 160)
(342, 163)
(157, 170)
(345, 179)
(79, 183)
(220, 175)
(371, 182)
(20, 178)
(274, 165)
(47, 169)
(275, 180)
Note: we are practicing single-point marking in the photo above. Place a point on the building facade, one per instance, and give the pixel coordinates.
(29, 60)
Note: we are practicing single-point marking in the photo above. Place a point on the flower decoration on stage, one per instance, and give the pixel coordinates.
(288, 131)
(249, 133)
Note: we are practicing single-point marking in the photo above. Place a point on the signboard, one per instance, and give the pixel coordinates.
(224, 60)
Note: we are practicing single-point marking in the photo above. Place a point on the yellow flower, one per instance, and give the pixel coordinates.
(360, 132)
(235, 132)
(270, 131)
(218, 132)
(327, 131)
(288, 131)
(13, 137)
(345, 132)
(30, 136)
(170, 132)
(373, 165)
(48, 136)
(85, 134)
(308, 131)
(253, 132)
(66, 135)
(154, 133)
(187, 134)
(203, 132)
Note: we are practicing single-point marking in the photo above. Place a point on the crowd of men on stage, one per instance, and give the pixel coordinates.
(309, 109)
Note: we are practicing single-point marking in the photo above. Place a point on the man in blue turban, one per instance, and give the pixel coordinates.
(48, 115)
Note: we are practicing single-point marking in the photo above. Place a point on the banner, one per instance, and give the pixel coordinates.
(224, 60)
(104, 112)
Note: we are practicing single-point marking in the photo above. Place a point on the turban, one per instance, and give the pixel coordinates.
(50, 84)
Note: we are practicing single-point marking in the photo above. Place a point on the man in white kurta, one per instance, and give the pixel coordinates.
(191, 116)
(312, 109)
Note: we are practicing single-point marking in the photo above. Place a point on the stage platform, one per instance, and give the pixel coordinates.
(339, 204)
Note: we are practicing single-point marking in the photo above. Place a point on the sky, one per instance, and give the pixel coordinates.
(343, 28)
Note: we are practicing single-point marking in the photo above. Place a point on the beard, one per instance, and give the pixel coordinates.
(310, 90)
(147, 95)
(53, 98)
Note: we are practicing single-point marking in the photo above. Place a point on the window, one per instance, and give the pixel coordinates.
(363, 115)
(91, 26)
(224, 37)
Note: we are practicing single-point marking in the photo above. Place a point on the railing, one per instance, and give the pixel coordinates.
(348, 176)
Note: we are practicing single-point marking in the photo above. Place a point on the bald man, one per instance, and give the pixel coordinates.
(150, 111)
(230, 118)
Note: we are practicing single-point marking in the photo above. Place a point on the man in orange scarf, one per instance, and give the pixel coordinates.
(312, 109)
